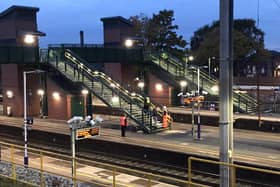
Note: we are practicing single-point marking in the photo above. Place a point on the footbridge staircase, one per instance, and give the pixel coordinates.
(104, 87)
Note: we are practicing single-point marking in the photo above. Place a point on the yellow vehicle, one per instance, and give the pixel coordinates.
(198, 99)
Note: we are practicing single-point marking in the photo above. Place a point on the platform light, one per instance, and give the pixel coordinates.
(10, 94)
(141, 84)
(183, 84)
(204, 92)
(56, 95)
(84, 91)
(40, 92)
(191, 58)
(115, 99)
(215, 88)
(112, 85)
(128, 43)
(159, 87)
(29, 39)
(133, 94)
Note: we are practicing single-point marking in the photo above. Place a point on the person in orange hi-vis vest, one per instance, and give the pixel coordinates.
(165, 119)
(123, 123)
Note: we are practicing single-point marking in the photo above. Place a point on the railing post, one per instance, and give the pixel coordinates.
(189, 171)
(114, 177)
(102, 88)
(13, 163)
(151, 120)
(78, 74)
(41, 169)
(130, 105)
(149, 181)
(75, 171)
(65, 68)
(142, 116)
(233, 176)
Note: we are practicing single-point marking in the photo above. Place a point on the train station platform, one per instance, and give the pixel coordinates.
(254, 147)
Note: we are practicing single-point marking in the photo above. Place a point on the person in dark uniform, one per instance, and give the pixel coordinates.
(123, 124)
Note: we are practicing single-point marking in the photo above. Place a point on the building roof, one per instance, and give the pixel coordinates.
(117, 18)
(34, 33)
(14, 8)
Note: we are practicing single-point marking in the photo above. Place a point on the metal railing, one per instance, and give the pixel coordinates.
(178, 69)
(46, 167)
(102, 86)
(233, 168)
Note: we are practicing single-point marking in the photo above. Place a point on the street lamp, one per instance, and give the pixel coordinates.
(198, 102)
(141, 85)
(25, 114)
(183, 84)
(41, 93)
(85, 93)
(209, 65)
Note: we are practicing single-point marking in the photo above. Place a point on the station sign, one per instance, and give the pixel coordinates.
(87, 132)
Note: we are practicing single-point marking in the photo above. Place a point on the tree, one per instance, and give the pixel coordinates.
(141, 25)
(248, 41)
(159, 32)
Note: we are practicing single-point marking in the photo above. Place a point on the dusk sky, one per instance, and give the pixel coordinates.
(62, 20)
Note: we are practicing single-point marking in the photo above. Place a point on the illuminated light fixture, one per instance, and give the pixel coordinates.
(56, 95)
(141, 84)
(89, 70)
(112, 85)
(40, 92)
(115, 99)
(128, 43)
(159, 87)
(133, 94)
(10, 94)
(191, 58)
(126, 91)
(215, 88)
(29, 39)
(84, 91)
(95, 72)
(183, 83)
(109, 78)
(204, 92)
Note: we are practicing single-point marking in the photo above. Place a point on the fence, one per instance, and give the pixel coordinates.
(52, 169)
(233, 168)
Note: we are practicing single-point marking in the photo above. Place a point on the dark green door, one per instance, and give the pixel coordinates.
(77, 106)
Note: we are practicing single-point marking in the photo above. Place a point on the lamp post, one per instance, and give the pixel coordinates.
(85, 93)
(141, 85)
(209, 65)
(198, 103)
(41, 94)
(25, 114)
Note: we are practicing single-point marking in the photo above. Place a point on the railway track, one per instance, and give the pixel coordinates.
(199, 176)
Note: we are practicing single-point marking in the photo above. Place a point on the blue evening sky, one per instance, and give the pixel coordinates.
(62, 20)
